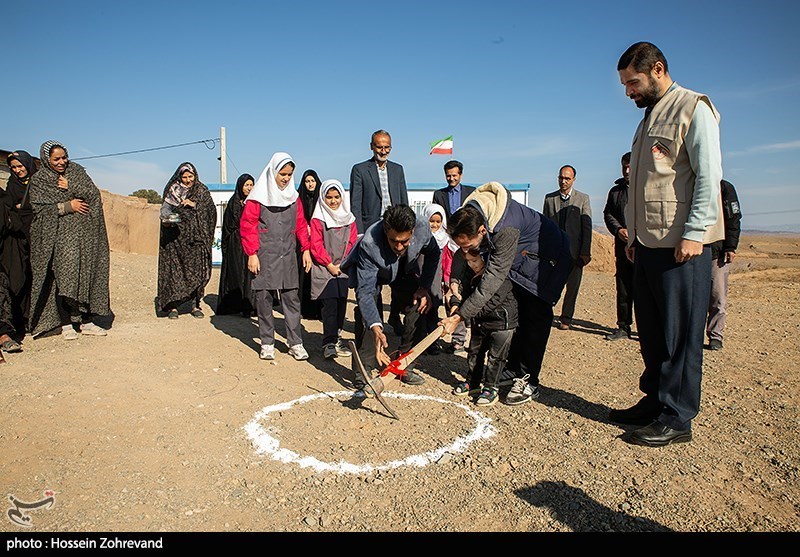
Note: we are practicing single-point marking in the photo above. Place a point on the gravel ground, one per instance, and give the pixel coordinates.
(147, 429)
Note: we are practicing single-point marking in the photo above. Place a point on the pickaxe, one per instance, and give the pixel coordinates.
(397, 368)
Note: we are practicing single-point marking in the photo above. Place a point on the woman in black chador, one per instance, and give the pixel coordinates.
(235, 294)
(308, 191)
(15, 243)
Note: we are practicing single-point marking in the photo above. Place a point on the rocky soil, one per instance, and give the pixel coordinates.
(178, 426)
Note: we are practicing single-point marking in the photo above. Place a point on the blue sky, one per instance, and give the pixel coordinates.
(524, 87)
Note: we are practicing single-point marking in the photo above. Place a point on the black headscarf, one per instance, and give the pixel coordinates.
(240, 182)
(309, 198)
(17, 190)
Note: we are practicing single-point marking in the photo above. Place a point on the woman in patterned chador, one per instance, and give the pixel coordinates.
(69, 248)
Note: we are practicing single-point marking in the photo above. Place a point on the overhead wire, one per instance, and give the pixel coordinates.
(209, 143)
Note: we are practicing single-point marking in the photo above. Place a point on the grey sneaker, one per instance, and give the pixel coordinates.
(298, 352)
(267, 352)
(329, 351)
(411, 377)
(521, 392)
(93, 330)
(68, 332)
(342, 349)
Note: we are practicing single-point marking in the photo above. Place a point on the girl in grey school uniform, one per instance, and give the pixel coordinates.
(333, 235)
(272, 226)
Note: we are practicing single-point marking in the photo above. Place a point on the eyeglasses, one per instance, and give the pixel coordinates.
(387, 148)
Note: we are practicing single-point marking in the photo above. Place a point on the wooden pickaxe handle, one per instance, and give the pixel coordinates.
(399, 366)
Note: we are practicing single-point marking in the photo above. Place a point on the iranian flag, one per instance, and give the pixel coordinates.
(442, 147)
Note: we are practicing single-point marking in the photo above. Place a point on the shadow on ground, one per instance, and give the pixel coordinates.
(575, 509)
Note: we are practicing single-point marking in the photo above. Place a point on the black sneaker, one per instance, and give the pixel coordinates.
(618, 334)
(434, 349)
(411, 377)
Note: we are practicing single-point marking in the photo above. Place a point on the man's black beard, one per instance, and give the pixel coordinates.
(650, 97)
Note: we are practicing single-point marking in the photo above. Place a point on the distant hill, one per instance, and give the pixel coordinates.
(774, 229)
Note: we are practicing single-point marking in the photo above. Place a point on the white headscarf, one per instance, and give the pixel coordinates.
(333, 219)
(441, 236)
(266, 190)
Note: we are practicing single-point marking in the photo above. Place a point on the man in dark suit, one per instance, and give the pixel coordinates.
(376, 184)
(453, 196)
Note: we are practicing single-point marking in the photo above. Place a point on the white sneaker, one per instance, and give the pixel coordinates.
(267, 352)
(522, 392)
(68, 332)
(298, 352)
(93, 330)
(329, 351)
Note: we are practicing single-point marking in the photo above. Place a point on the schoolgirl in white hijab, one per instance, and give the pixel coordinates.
(272, 227)
(442, 237)
(267, 191)
(341, 216)
(333, 235)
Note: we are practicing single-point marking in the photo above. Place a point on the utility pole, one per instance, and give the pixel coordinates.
(223, 167)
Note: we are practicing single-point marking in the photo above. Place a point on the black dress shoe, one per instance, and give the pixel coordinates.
(619, 334)
(641, 413)
(659, 435)
(714, 344)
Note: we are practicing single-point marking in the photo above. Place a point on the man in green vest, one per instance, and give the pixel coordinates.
(674, 212)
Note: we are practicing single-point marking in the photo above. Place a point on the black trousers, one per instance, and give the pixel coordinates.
(571, 293)
(530, 339)
(487, 355)
(624, 280)
(670, 303)
(332, 313)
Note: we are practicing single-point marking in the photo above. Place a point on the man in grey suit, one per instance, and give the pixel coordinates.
(376, 184)
(570, 209)
(455, 193)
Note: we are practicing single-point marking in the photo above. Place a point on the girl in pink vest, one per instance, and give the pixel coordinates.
(272, 227)
(333, 235)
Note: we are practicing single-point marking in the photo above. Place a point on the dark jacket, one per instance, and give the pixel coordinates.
(500, 313)
(522, 245)
(365, 191)
(372, 263)
(442, 197)
(732, 215)
(614, 213)
(574, 217)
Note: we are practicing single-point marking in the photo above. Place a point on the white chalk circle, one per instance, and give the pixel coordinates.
(267, 444)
